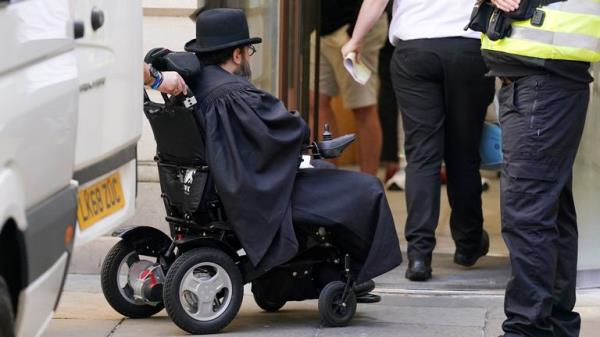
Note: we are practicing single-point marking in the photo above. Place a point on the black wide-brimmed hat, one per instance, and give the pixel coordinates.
(220, 28)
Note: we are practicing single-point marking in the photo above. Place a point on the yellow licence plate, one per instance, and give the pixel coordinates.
(99, 200)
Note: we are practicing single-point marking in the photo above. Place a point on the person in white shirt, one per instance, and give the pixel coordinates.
(439, 80)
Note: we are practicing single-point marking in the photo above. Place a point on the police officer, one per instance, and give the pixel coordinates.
(544, 66)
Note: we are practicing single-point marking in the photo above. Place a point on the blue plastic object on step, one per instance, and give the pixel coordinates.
(490, 149)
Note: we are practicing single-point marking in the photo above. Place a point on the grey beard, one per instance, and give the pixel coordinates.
(244, 70)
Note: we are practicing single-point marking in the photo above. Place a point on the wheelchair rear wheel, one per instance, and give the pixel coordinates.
(336, 307)
(203, 291)
(116, 286)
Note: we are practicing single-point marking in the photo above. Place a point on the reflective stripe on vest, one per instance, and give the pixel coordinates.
(570, 31)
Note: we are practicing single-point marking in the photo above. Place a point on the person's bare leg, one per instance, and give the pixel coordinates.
(369, 138)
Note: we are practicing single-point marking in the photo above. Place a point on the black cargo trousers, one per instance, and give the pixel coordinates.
(542, 119)
(442, 94)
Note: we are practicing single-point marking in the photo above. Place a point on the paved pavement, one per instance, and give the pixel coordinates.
(83, 312)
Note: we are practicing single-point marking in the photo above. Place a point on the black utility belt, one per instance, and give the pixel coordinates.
(496, 24)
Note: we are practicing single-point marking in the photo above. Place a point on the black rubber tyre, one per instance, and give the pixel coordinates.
(267, 305)
(189, 262)
(7, 322)
(334, 312)
(111, 289)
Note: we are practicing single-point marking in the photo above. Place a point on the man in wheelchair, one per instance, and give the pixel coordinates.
(311, 232)
(252, 146)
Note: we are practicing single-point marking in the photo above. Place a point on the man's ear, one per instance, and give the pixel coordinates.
(237, 56)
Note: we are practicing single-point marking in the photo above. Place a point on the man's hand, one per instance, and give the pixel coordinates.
(507, 5)
(352, 46)
(172, 84)
(370, 12)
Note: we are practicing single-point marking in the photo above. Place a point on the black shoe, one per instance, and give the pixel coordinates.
(368, 298)
(418, 270)
(468, 260)
(364, 288)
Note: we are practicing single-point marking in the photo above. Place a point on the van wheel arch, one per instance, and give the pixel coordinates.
(12, 270)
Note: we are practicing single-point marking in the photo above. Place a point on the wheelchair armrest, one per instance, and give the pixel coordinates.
(333, 148)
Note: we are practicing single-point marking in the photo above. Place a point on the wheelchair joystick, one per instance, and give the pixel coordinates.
(326, 133)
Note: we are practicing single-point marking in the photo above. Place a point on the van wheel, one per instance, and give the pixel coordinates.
(115, 285)
(336, 309)
(7, 327)
(267, 305)
(203, 291)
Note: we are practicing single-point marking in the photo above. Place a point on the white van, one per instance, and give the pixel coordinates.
(70, 119)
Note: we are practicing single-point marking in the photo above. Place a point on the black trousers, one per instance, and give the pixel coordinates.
(542, 119)
(387, 106)
(443, 95)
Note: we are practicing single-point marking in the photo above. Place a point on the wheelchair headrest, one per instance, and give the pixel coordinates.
(186, 64)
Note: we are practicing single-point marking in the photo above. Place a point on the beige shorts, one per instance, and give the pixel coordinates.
(334, 80)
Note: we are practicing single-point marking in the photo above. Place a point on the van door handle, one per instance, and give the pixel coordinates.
(78, 29)
(97, 18)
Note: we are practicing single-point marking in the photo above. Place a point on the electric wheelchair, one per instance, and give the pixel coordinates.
(198, 273)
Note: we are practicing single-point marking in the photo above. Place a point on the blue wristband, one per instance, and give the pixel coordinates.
(157, 81)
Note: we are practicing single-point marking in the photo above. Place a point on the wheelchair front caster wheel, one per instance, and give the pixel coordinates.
(203, 291)
(336, 309)
(268, 305)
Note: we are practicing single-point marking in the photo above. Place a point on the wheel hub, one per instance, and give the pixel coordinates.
(340, 306)
(205, 291)
(146, 280)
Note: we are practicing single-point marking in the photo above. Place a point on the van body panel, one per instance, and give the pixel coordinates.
(34, 29)
(36, 303)
(45, 241)
(110, 63)
(39, 96)
(110, 104)
(12, 199)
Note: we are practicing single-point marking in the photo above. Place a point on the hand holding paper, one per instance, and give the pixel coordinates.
(359, 71)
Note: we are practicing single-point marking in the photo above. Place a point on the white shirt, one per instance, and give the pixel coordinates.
(425, 19)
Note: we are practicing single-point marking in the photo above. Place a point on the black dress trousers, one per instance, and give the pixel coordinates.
(387, 106)
(542, 119)
(443, 95)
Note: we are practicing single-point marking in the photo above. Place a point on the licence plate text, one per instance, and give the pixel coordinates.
(99, 200)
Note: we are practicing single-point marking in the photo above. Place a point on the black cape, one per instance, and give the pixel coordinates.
(253, 144)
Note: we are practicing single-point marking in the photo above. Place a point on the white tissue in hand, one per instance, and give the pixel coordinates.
(359, 71)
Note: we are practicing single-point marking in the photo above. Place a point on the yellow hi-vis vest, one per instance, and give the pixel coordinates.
(570, 31)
